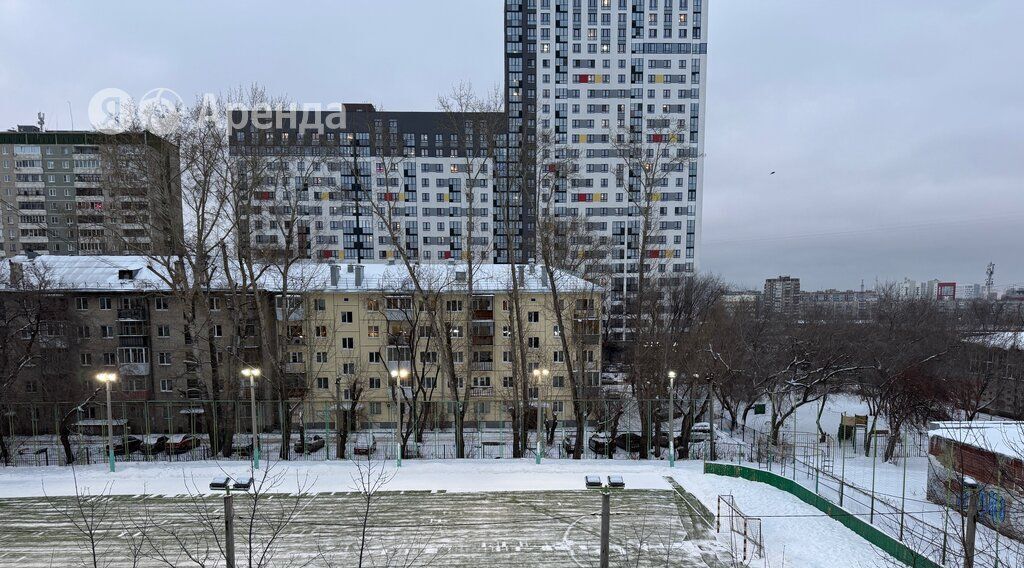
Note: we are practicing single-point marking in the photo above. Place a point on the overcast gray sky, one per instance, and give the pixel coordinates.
(896, 129)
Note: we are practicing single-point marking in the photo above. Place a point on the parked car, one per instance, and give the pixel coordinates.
(314, 445)
(182, 443)
(700, 432)
(629, 441)
(128, 445)
(364, 445)
(599, 442)
(157, 446)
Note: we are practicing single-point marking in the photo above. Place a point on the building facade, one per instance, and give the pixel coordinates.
(595, 81)
(782, 295)
(54, 198)
(354, 186)
(338, 339)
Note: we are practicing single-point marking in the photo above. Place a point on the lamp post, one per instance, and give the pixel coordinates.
(253, 373)
(107, 379)
(538, 376)
(671, 419)
(398, 375)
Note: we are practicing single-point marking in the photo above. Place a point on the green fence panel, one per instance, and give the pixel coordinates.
(886, 543)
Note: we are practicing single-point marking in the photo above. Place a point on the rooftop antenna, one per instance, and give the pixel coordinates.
(41, 120)
(989, 280)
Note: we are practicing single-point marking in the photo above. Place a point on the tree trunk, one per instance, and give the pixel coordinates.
(868, 435)
(5, 454)
(645, 431)
(286, 428)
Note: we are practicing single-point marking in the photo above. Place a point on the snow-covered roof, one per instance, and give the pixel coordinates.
(1001, 339)
(140, 273)
(998, 436)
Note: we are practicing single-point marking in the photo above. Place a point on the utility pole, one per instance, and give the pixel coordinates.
(337, 418)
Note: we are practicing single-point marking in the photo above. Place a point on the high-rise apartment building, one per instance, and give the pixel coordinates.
(54, 198)
(616, 87)
(782, 295)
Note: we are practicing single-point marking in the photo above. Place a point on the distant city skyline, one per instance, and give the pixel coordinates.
(835, 151)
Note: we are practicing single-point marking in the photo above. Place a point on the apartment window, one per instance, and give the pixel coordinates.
(533, 317)
(218, 330)
(215, 304)
(454, 305)
(322, 383)
(320, 331)
(162, 303)
(85, 359)
(346, 317)
(163, 331)
(558, 382)
(81, 303)
(558, 356)
(533, 342)
(556, 331)
(107, 331)
(110, 359)
(84, 331)
(295, 356)
(105, 303)
(508, 382)
(348, 343)
(163, 358)
(320, 304)
(374, 382)
(166, 385)
(321, 356)
(506, 331)
(375, 408)
(348, 368)
(373, 331)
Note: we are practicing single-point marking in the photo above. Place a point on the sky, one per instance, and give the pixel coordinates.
(895, 130)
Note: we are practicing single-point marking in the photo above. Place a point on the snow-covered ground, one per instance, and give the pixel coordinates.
(795, 534)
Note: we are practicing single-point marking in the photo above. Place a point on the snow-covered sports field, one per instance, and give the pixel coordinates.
(454, 513)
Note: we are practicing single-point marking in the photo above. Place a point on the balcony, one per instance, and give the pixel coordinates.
(134, 369)
(132, 314)
(482, 365)
(483, 340)
(295, 368)
(483, 315)
(481, 391)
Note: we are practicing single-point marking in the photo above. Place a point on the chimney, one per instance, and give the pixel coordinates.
(359, 275)
(335, 275)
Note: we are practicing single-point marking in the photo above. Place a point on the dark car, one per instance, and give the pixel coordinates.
(599, 443)
(182, 444)
(157, 446)
(314, 445)
(629, 441)
(365, 446)
(130, 444)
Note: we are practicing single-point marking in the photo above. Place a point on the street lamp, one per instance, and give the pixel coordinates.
(538, 376)
(226, 484)
(614, 482)
(107, 379)
(253, 373)
(398, 375)
(671, 419)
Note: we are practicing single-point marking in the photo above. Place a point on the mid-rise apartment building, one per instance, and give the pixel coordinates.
(354, 186)
(338, 337)
(55, 199)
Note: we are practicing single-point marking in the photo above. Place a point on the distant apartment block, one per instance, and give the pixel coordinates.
(782, 295)
(55, 199)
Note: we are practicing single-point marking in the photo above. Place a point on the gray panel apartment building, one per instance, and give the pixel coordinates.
(55, 199)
